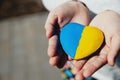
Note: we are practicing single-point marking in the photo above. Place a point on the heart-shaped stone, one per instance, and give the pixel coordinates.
(79, 41)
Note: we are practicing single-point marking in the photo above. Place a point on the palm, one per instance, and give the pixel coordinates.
(87, 67)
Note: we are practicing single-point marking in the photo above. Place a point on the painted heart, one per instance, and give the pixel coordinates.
(79, 41)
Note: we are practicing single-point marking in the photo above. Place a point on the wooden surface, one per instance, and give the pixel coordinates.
(23, 49)
(12, 8)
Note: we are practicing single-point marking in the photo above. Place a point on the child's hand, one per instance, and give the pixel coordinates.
(109, 23)
(73, 11)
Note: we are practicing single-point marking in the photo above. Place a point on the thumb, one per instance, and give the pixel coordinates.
(114, 48)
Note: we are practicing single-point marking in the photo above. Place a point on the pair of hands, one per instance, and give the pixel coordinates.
(107, 21)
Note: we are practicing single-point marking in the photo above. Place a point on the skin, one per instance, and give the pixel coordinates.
(69, 12)
(107, 21)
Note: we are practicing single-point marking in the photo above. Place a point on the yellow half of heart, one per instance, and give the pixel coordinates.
(91, 39)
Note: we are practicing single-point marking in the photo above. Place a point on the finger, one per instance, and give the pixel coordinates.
(58, 60)
(57, 56)
(114, 49)
(79, 75)
(78, 65)
(54, 60)
(50, 24)
(95, 63)
(52, 46)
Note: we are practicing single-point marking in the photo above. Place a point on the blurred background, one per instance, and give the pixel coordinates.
(23, 45)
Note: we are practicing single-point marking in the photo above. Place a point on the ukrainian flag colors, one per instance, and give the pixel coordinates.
(79, 41)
